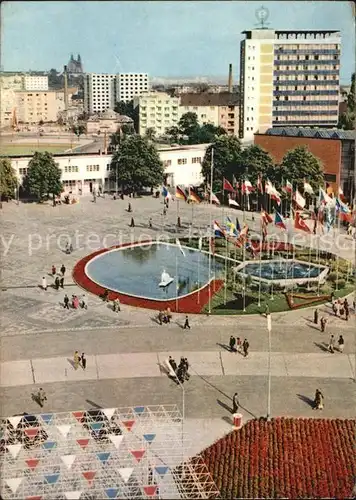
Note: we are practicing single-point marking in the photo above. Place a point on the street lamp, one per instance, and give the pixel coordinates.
(269, 328)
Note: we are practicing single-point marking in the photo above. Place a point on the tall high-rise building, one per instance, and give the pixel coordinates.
(288, 78)
(129, 85)
(99, 92)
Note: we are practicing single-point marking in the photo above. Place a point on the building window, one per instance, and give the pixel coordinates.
(71, 168)
(93, 168)
(23, 171)
(196, 159)
(182, 161)
(167, 163)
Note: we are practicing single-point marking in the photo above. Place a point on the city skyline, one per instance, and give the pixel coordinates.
(117, 37)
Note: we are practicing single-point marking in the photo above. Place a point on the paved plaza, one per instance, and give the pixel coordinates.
(125, 351)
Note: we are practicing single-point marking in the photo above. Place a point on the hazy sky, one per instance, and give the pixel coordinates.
(180, 38)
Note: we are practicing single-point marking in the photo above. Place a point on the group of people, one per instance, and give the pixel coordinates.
(340, 342)
(180, 371)
(116, 306)
(341, 308)
(76, 302)
(164, 316)
(237, 346)
(79, 360)
(58, 279)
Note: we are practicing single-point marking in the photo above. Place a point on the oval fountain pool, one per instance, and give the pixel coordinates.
(138, 270)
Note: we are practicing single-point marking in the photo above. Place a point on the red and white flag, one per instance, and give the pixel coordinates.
(247, 187)
(259, 184)
(307, 188)
(275, 195)
(227, 186)
(299, 223)
(288, 187)
(341, 194)
(299, 200)
(265, 217)
(215, 199)
(268, 186)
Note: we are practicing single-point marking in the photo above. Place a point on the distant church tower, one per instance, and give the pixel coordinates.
(75, 65)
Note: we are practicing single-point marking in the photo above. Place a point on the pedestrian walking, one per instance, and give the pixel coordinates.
(331, 345)
(67, 249)
(54, 270)
(186, 323)
(318, 400)
(84, 361)
(56, 283)
(116, 305)
(235, 403)
(347, 313)
(316, 316)
(179, 224)
(63, 269)
(341, 343)
(245, 347)
(238, 345)
(164, 210)
(94, 197)
(232, 343)
(61, 282)
(150, 222)
(169, 314)
(66, 301)
(41, 396)
(129, 208)
(132, 223)
(172, 363)
(105, 296)
(337, 308)
(322, 324)
(44, 283)
(186, 364)
(84, 301)
(76, 360)
(267, 310)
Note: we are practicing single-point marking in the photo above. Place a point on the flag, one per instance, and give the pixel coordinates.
(227, 186)
(193, 196)
(242, 236)
(341, 194)
(180, 247)
(275, 195)
(214, 199)
(165, 192)
(265, 217)
(235, 183)
(247, 187)
(237, 225)
(329, 218)
(307, 188)
(268, 186)
(288, 187)
(279, 221)
(324, 198)
(231, 226)
(180, 194)
(343, 210)
(299, 200)
(329, 190)
(299, 223)
(233, 203)
(259, 184)
(219, 232)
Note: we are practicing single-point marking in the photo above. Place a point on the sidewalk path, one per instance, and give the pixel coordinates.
(209, 363)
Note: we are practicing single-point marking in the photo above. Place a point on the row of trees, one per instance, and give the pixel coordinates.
(230, 159)
(189, 131)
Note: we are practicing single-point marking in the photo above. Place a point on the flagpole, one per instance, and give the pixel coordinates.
(199, 274)
(337, 255)
(260, 268)
(272, 297)
(310, 254)
(293, 250)
(243, 260)
(211, 222)
(225, 285)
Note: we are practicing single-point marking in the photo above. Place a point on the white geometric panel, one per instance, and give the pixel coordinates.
(127, 453)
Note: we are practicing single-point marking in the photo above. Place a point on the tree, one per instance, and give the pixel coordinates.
(78, 130)
(206, 133)
(173, 134)
(137, 164)
(150, 134)
(254, 161)
(300, 164)
(43, 176)
(188, 124)
(227, 151)
(347, 119)
(8, 179)
(124, 108)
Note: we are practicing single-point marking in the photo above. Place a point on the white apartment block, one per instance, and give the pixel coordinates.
(288, 78)
(99, 92)
(35, 82)
(158, 111)
(130, 85)
(82, 174)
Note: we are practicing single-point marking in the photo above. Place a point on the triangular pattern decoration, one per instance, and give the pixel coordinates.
(78, 415)
(108, 412)
(31, 432)
(68, 460)
(149, 437)
(150, 490)
(36, 497)
(14, 421)
(32, 463)
(138, 454)
(89, 475)
(73, 495)
(14, 449)
(14, 483)
(139, 409)
(129, 424)
(103, 457)
(112, 492)
(52, 478)
(49, 445)
(125, 473)
(96, 426)
(161, 470)
(83, 443)
(64, 429)
(47, 417)
(116, 440)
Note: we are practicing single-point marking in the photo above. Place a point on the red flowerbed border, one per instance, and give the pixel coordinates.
(307, 300)
(285, 458)
(186, 304)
